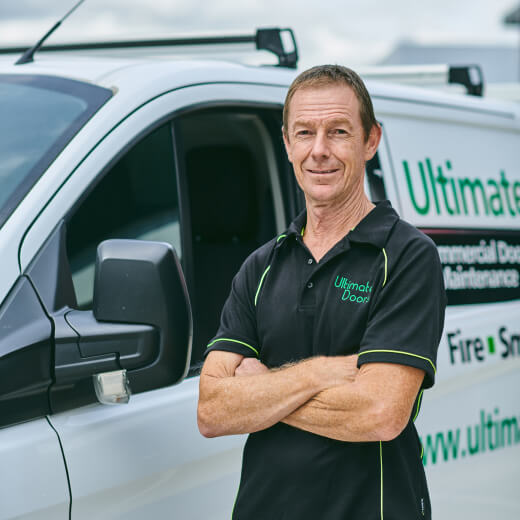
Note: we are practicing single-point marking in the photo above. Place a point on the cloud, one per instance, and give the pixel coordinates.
(28, 9)
(336, 30)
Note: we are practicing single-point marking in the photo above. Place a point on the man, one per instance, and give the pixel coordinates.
(330, 333)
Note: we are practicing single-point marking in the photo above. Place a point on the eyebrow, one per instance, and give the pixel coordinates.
(331, 122)
(303, 122)
(340, 121)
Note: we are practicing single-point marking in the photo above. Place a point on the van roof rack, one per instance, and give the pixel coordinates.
(280, 42)
(470, 76)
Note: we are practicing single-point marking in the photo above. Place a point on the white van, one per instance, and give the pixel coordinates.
(451, 165)
(187, 156)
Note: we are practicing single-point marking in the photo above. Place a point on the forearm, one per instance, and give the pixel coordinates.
(233, 405)
(342, 413)
(376, 405)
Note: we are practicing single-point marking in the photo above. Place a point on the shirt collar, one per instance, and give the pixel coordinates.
(373, 229)
(297, 226)
(376, 226)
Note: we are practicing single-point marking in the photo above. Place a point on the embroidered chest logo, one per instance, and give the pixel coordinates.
(352, 291)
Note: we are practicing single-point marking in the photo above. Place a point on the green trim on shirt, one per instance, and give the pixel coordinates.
(418, 404)
(234, 341)
(400, 352)
(386, 266)
(260, 284)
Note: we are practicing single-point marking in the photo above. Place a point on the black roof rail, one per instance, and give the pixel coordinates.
(269, 39)
(429, 75)
(470, 76)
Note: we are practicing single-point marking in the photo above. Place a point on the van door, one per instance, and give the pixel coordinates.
(457, 178)
(33, 477)
(236, 189)
(148, 179)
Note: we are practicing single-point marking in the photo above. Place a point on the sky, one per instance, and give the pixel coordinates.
(350, 32)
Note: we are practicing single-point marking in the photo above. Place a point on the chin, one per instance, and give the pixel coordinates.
(322, 194)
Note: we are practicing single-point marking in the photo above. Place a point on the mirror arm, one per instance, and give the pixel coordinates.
(85, 346)
(70, 365)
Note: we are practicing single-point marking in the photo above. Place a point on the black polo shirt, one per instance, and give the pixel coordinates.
(378, 293)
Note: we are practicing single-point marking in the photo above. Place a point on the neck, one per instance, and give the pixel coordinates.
(329, 223)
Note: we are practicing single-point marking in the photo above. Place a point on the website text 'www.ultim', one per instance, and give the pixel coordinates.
(491, 433)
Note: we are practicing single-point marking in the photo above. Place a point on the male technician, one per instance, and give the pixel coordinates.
(329, 334)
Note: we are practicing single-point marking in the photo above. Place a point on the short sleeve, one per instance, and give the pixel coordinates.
(406, 317)
(237, 331)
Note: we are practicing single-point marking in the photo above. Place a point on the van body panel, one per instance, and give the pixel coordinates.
(470, 421)
(148, 459)
(446, 176)
(33, 478)
(456, 176)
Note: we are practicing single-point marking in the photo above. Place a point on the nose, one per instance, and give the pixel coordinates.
(320, 146)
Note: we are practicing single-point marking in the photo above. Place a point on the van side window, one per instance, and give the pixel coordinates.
(231, 163)
(137, 198)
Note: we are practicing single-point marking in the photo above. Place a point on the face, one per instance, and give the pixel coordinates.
(326, 145)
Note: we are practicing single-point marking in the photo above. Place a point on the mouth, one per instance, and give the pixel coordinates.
(323, 171)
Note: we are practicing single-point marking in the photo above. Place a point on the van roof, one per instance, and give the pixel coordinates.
(153, 76)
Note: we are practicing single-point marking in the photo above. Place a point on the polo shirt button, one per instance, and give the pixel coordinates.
(310, 285)
(309, 261)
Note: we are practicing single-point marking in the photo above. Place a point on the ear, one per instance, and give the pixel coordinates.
(373, 141)
(287, 144)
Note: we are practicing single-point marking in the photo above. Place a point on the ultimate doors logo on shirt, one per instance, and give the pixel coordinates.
(353, 291)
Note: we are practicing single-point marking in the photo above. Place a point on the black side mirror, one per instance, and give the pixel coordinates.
(140, 326)
(141, 282)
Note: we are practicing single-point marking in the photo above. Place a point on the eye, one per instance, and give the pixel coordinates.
(303, 133)
(339, 131)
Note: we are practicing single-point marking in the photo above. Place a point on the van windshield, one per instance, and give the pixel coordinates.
(39, 116)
